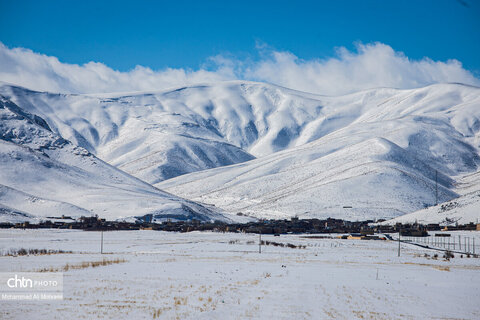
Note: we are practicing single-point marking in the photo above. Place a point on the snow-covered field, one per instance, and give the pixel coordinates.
(222, 276)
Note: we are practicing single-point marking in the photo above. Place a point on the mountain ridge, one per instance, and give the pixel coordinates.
(171, 138)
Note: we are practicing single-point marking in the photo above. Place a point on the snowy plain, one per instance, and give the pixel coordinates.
(205, 275)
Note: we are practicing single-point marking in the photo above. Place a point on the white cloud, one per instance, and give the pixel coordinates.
(372, 65)
(40, 72)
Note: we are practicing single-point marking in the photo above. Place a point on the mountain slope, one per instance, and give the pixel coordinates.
(42, 174)
(141, 134)
(462, 210)
(159, 135)
(376, 177)
(376, 150)
(382, 162)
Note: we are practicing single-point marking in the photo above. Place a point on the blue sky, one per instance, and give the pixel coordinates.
(183, 34)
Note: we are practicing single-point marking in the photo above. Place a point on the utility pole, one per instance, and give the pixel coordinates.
(399, 242)
(260, 242)
(436, 187)
(101, 245)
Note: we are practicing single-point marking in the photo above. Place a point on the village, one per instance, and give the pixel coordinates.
(276, 227)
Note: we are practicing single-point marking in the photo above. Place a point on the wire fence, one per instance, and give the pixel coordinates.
(456, 243)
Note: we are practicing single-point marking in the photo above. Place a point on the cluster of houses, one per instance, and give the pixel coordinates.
(360, 229)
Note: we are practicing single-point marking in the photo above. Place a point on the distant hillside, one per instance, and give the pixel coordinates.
(42, 174)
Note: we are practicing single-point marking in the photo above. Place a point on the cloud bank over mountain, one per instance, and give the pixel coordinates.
(369, 66)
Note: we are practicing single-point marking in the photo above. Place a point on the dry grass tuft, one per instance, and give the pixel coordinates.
(83, 265)
(180, 301)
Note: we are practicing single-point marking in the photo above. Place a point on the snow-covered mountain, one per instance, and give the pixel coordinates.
(151, 136)
(42, 175)
(377, 160)
(371, 154)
